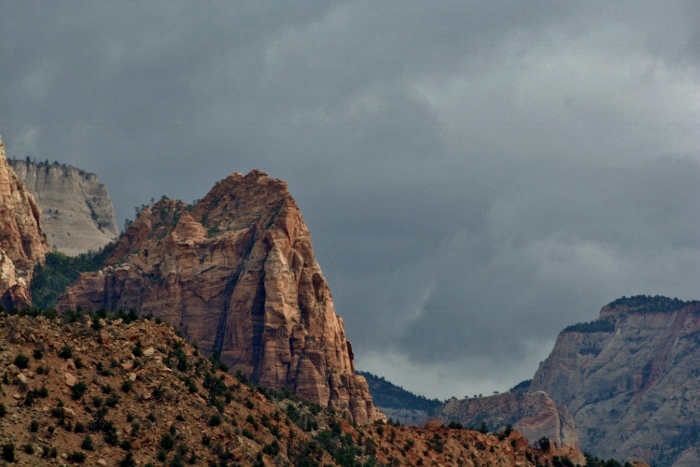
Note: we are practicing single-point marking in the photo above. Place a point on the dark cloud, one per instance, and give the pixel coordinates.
(476, 175)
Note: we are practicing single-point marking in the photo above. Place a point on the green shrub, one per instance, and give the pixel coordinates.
(22, 361)
(78, 390)
(66, 352)
(88, 444)
(8, 452)
(77, 457)
(167, 442)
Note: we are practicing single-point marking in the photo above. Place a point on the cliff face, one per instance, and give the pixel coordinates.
(534, 414)
(236, 272)
(631, 380)
(22, 243)
(77, 211)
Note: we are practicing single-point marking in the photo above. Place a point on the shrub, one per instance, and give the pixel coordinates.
(21, 361)
(88, 444)
(167, 442)
(128, 461)
(8, 452)
(77, 457)
(215, 420)
(78, 390)
(3, 410)
(34, 426)
(127, 385)
(38, 354)
(66, 352)
(28, 448)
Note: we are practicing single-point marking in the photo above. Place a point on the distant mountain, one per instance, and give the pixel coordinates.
(77, 210)
(631, 379)
(397, 403)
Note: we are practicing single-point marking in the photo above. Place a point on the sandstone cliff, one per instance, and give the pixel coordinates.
(631, 380)
(237, 273)
(534, 414)
(22, 243)
(77, 211)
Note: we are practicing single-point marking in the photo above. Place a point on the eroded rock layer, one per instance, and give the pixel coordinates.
(237, 273)
(534, 414)
(77, 211)
(22, 243)
(631, 380)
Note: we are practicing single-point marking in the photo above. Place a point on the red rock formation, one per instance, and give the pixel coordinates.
(22, 244)
(236, 272)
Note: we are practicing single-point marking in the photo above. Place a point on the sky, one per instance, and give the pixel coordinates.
(476, 175)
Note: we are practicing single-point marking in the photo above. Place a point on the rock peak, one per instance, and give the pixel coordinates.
(236, 272)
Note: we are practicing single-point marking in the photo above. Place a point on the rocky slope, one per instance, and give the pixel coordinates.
(111, 391)
(22, 243)
(237, 273)
(534, 414)
(631, 380)
(77, 211)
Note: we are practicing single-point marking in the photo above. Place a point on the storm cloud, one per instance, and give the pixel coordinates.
(475, 175)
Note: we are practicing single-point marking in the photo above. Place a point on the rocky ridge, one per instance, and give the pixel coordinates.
(631, 380)
(22, 243)
(107, 390)
(77, 211)
(236, 273)
(534, 414)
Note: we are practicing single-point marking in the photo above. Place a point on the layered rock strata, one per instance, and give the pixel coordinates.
(631, 379)
(22, 243)
(236, 273)
(534, 414)
(77, 210)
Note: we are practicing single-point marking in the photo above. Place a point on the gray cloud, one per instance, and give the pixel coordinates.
(476, 175)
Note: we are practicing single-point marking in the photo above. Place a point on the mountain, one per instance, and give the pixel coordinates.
(22, 242)
(397, 403)
(534, 414)
(631, 379)
(105, 389)
(236, 273)
(77, 211)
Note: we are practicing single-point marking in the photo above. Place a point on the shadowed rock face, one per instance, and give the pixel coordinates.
(22, 243)
(534, 414)
(77, 211)
(631, 379)
(237, 273)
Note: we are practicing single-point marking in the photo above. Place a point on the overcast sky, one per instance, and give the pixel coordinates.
(476, 175)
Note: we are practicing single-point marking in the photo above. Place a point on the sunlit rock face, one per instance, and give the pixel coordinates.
(77, 210)
(236, 273)
(22, 243)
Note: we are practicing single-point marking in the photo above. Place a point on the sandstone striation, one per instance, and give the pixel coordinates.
(236, 273)
(534, 414)
(77, 211)
(631, 380)
(22, 243)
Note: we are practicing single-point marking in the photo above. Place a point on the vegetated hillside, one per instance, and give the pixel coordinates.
(398, 403)
(59, 271)
(631, 380)
(116, 390)
(77, 210)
